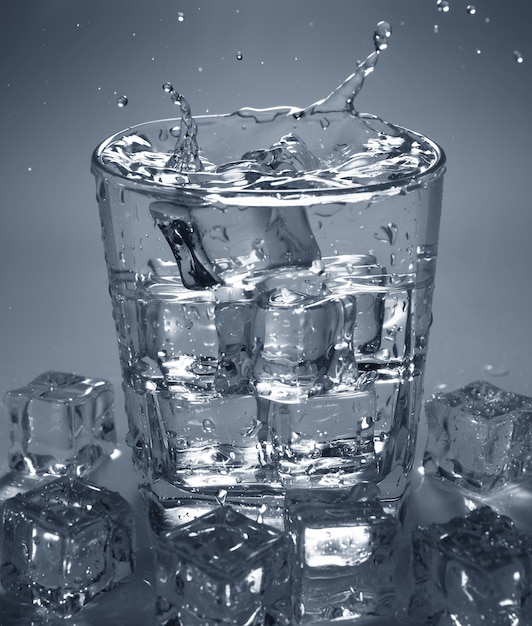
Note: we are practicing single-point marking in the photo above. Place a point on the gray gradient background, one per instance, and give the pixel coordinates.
(63, 63)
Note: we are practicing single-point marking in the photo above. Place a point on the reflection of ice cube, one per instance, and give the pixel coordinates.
(479, 436)
(64, 542)
(211, 244)
(60, 423)
(179, 333)
(325, 440)
(217, 570)
(303, 337)
(206, 440)
(472, 570)
(342, 557)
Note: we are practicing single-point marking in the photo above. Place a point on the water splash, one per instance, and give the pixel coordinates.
(343, 97)
(186, 152)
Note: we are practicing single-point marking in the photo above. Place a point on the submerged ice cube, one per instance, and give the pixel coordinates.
(203, 440)
(479, 436)
(473, 570)
(64, 542)
(303, 337)
(60, 423)
(325, 440)
(211, 244)
(218, 569)
(342, 557)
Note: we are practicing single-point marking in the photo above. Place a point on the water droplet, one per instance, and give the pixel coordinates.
(443, 6)
(518, 56)
(239, 56)
(168, 87)
(180, 16)
(200, 69)
(324, 123)
(122, 101)
(208, 426)
(436, 28)
(471, 9)
(221, 497)
(383, 32)
(478, 51)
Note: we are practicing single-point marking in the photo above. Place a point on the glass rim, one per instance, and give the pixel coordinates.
(407, 182)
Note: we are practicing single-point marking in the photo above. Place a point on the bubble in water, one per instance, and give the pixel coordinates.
(518, 56)
(239, 56)
(180, 16)
(471, 9)
(122, 101)
(443, 6)
(168, 87)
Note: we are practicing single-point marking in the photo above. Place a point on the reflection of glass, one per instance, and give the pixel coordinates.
(236, 305)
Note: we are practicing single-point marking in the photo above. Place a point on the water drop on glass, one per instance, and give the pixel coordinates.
(168, 87)
(239, 56)
(122, 101)
(208, 426)
(518, 56)
(471, 9)
(180, 16)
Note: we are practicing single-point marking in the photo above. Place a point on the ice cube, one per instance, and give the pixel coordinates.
(302, 337)
(342, 557)
(473, 570)
(359, 276)
(218, 569)
(289, 155)
(64, 542)
(212, 245)
(325, 440)
(479, 436)
(61, 423)
(234, 324)
(203, 440)
(178, 332)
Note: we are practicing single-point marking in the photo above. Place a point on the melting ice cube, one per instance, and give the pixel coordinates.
(64, 542)
(61, 423)
(479, 436)
(342, 556)
(472, 570)
(218, 569)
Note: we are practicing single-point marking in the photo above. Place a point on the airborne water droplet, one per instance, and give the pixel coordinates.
(443, 6)
(180, 16)
(122, 101)
(436, 28)
(518, 56)
(168, 87)
(239, 56)
(471, 9)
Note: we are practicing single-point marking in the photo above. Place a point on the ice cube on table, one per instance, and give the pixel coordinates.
(218, 569)
(203, 440)
(61, 423)
(479, 436)
(64, 542)
(325, 440)
(342, 556)
(473, 570)
(213, 244)
(302, 337)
